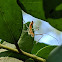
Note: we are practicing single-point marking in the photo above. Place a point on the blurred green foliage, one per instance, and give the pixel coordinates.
(10, 21)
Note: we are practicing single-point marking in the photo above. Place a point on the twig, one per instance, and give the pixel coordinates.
(24, 53)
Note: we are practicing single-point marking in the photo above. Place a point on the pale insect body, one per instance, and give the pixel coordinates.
(30, 31)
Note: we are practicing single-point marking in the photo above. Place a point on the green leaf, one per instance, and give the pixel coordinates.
(44, 52)
(55, 55)
(59, 7)
(49, 8)
(37, 47)
(56, 23)
(52, 13)
(29, 60)
(26, 41)
(33, 7)
(10, 21)
(9, 44)
(9, 59)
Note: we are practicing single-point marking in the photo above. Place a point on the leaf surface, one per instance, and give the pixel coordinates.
(26, 41)
(10, 21)
(44, 52)
(55, 55)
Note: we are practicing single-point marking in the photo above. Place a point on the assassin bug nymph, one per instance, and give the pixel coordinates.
(30, 30)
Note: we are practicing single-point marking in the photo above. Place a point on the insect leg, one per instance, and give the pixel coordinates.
(26, 25)
(39, 38)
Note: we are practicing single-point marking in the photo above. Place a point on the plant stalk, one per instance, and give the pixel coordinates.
(24, 53)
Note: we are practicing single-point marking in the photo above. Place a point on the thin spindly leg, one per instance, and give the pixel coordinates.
(39, 38)
(26, 25)
(36, 25)
(25, 31)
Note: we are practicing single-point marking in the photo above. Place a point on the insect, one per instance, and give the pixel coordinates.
(30, 31)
